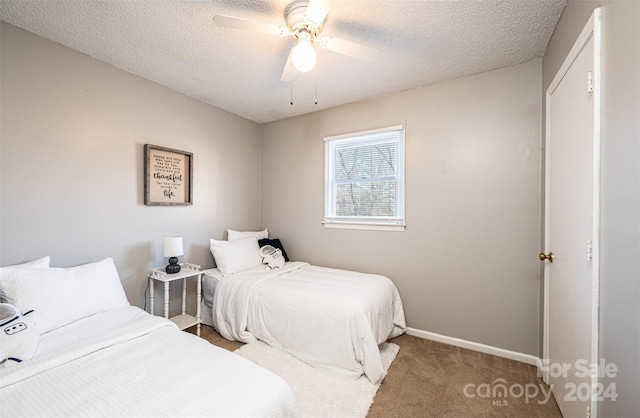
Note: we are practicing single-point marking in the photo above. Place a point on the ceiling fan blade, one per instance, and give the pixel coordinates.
(289, 73)
(317, 11)
(352, 49)
(231, 22)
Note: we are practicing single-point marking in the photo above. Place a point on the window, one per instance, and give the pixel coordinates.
(364, 180)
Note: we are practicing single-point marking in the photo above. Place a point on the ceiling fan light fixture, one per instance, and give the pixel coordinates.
(303, 55)
(305, 21)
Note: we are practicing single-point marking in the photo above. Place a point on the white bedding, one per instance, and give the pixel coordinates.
(332, 319)
(125, 362)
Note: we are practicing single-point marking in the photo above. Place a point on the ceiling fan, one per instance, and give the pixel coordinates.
(305, 21)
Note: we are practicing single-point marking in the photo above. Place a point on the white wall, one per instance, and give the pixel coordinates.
(72, 137)
(467, 265)
(620, 234)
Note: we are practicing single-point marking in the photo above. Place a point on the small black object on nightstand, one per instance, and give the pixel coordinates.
(173, 266)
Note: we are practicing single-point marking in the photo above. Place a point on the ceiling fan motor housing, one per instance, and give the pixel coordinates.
(295, 16)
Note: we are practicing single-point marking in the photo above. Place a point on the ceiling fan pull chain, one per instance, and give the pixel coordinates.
(316, 74)
(291, 97)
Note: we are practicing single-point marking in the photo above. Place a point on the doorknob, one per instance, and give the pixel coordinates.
(543, 257)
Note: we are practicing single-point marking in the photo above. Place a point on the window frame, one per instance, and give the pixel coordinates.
(382, 135)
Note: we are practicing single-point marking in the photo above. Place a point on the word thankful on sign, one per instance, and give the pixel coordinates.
(168, 176)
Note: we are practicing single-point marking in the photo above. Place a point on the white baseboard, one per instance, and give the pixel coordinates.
(487, 349)
(540, 371)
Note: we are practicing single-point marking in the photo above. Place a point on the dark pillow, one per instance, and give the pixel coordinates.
(274, 242)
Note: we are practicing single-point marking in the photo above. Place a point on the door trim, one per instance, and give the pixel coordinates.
(591, 30)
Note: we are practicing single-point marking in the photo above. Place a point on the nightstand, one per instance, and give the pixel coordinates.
(183, 321)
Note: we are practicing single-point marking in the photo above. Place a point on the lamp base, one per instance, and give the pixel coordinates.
(173, 266)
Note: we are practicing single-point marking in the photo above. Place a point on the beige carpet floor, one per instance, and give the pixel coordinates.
(430, 379)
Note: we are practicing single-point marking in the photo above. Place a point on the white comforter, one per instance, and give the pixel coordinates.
(125, 362)
(332, 319)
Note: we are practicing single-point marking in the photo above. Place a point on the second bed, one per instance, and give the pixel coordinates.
(332, 319)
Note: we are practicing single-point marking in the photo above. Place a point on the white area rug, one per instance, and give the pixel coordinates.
(319, 393)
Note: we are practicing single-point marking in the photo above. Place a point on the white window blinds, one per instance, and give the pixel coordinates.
(364, 179)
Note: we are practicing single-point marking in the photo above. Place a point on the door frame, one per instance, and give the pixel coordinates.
(591, 30)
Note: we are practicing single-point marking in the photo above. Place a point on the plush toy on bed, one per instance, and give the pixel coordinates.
(272, 256)
(18, 335)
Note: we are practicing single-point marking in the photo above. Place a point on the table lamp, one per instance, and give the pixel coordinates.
(173, 249)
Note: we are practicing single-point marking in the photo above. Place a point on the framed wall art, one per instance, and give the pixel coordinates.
(168, 176)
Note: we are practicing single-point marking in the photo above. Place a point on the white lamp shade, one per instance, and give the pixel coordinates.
(303, 55)
(173, 246)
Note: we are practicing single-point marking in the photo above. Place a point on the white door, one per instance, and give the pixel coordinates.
(571, 227)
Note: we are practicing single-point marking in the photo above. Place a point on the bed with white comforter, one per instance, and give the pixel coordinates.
(126, 362)
(101, 357)
(332, 319)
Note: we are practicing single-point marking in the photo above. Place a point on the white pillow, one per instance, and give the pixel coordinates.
(235, 256)
(236, 235)
(60, 296)
(40, 263)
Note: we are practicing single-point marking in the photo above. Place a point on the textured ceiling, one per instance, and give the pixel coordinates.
(176, 44)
